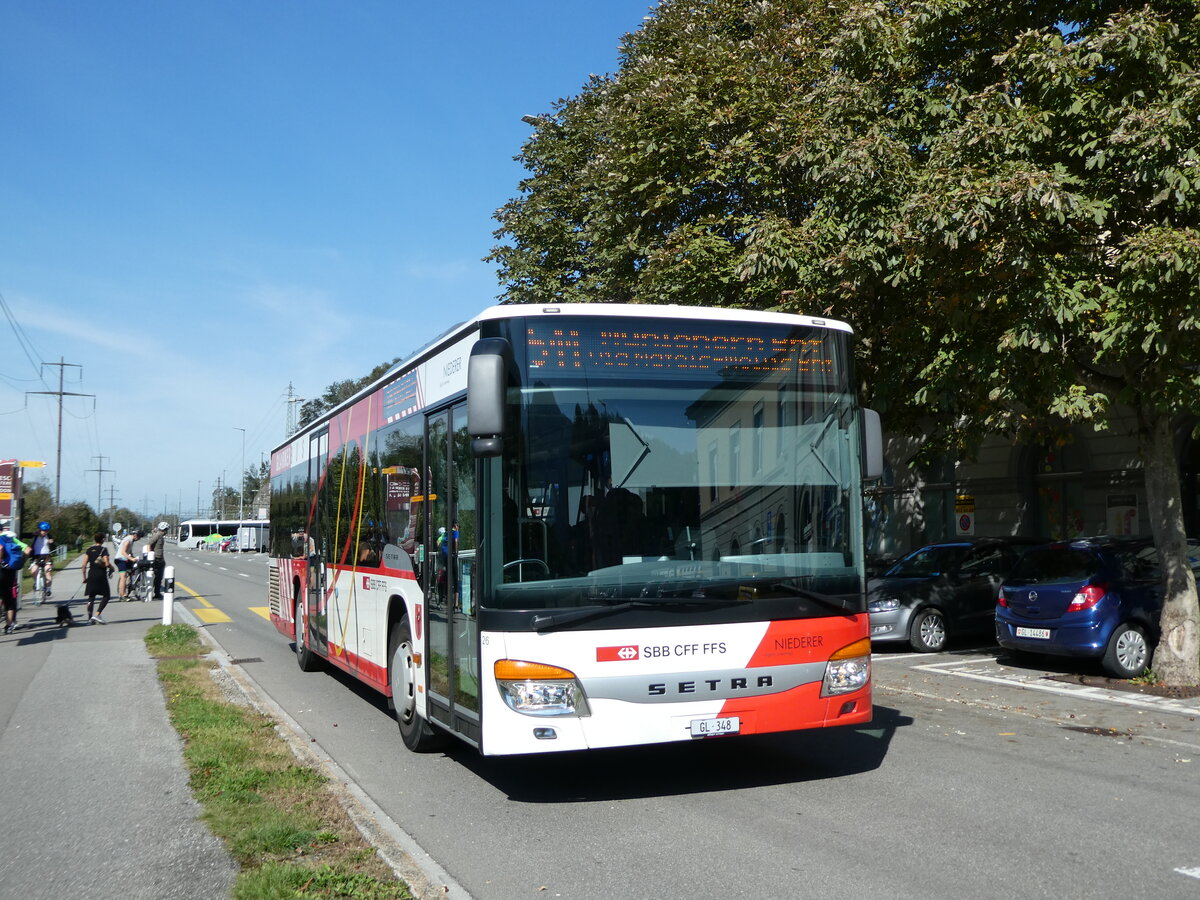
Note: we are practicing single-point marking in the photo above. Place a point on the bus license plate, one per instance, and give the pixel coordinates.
(1042, 633)
(712, 727)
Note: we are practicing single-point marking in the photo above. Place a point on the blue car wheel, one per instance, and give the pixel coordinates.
(1128, 653)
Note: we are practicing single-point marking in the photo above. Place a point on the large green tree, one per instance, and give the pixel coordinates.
(1000, 197)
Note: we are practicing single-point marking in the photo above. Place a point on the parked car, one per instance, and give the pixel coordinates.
(228, 545)
(1095, 597)
(942, 590)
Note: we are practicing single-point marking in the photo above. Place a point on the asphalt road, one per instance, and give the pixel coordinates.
(976, 779)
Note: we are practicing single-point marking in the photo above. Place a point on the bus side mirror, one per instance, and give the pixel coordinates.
(487, 381)
(872, 446)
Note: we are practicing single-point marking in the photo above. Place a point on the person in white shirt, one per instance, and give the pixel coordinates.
(125, 561)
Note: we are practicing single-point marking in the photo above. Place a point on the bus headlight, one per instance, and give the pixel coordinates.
(536, 689)
(848, 669)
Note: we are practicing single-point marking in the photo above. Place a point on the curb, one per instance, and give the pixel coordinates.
(425, 878)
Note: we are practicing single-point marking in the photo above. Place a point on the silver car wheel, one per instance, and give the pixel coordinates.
(1132, 651)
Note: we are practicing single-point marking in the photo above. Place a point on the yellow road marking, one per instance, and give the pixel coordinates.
(210, 614)
(264, 611)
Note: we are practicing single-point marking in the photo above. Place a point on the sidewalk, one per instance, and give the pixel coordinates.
(94, 797)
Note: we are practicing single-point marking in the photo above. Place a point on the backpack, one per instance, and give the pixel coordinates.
(11, 556)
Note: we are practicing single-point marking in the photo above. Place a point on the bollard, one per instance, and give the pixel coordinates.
(168, 595)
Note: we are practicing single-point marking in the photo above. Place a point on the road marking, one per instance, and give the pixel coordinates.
(1036, 683)
(264, 611)
(1193, 872)
(209, 614)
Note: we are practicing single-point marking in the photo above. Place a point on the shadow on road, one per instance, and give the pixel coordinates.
(721, 764)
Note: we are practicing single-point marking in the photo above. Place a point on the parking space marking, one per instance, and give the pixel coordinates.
(1037, 683)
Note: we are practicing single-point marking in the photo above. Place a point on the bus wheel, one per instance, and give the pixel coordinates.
(309, 661)
(417, 733)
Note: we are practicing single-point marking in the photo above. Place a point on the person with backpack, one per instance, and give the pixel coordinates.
(96, 570)
(12, 554)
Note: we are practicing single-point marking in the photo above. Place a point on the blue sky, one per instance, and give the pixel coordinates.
(202, 202)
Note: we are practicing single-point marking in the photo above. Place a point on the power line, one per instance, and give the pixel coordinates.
(26, 345)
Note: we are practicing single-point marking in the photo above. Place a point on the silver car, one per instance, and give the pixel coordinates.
(942, 590)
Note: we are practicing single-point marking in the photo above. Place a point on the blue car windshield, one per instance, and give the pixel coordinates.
(928, 562)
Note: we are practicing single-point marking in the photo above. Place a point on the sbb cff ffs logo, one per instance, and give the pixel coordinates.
(617, 654)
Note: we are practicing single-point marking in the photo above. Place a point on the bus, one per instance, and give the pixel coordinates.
(582, 526)
(252, 534)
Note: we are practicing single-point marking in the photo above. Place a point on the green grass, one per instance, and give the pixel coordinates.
(287, 831)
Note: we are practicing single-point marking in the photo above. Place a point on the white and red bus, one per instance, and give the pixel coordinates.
(582, 526)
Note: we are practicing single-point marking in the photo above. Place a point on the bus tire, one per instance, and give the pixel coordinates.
(419, 736)
(308, 661)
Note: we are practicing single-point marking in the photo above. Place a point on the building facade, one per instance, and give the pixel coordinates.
(1090, 484)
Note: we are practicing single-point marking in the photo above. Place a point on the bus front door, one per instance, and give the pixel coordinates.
(318, 632)
(452, 660)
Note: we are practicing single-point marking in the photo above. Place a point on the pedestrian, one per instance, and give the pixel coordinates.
(126, 561)
(97, 568)
(12, 555)
(157, 546)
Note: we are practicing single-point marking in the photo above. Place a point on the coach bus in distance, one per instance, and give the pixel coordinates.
(251, 533)
(583, 526)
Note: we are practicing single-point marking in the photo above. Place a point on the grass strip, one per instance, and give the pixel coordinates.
(278, 818)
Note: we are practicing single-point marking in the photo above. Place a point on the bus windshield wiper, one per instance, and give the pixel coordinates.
(567, 617)
(823, 599)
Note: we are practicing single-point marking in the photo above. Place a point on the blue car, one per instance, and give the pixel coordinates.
(1094, 597)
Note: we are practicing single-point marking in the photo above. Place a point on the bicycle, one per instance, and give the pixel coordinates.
(39, 582)
(141, 581)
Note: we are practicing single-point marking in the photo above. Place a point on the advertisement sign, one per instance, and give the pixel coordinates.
(10, 489)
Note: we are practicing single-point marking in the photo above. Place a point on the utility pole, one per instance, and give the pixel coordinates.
(242, 486)
(99, 475)
(293, 402)
(60, 393)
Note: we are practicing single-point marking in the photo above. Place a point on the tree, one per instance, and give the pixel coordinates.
(998, 196)
(338, 392)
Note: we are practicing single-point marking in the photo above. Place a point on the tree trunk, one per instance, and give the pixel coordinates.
(1177, 657)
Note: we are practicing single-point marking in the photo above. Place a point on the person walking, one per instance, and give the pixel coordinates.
(12, 554)
(125, 562)
(157, 546)
(97, 568)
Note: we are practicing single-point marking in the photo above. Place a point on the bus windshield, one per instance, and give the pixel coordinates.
(714, 463)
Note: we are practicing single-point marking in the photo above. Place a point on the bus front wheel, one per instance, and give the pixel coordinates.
(417, 733)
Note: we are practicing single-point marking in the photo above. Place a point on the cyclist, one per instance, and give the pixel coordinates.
(43, 556)
(125, 562)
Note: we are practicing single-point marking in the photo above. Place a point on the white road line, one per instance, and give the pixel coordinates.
(1193, 872)
(1158, 704)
